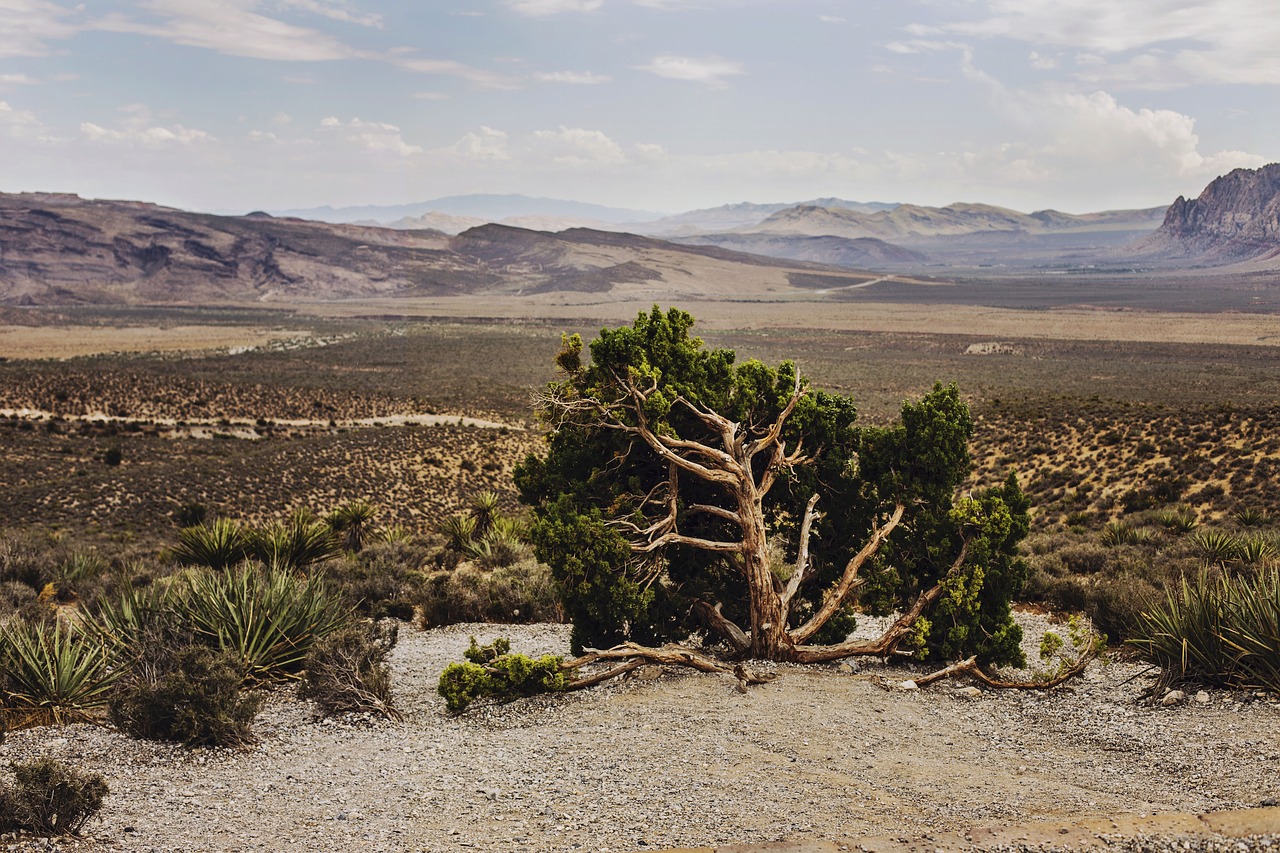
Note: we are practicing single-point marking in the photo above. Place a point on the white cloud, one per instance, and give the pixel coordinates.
(1040, 62)
(372, 136)
(336, 11)
(147, 137)
(832, 19)
(484, 144)
(478, 76)
(27, 25)
(1177, 42)
(711, 70)
(576, 147)
(17, 80)
(538, 8)
(579, 78)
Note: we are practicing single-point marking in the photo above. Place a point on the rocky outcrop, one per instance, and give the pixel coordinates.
(1236, 218)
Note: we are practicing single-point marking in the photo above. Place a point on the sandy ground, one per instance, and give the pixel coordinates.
(72, 341)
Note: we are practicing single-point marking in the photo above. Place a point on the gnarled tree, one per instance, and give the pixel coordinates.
(682, 491)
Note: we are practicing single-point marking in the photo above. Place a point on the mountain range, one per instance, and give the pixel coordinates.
(61, 249)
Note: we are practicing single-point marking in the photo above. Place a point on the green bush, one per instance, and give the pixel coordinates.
(295, 545)
(524, 592)
(384, 579)
(347, 671)
(50, 798)
(492, 671)
(187, 694)
(217, 545)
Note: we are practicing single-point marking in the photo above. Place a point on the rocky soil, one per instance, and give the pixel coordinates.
(674, 759)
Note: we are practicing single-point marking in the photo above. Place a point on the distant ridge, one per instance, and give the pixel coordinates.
(1236, 218)
(485, 207)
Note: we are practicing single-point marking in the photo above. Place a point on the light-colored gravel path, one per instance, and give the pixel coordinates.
(678, 760)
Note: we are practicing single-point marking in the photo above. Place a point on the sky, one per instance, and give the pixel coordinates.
(661, 105)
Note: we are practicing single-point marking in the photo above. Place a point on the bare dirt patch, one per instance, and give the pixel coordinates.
(38, 342)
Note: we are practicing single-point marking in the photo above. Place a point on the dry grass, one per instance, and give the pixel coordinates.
(71, 341)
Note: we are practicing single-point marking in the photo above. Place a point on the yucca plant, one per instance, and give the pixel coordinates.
(1183, 635)
(352, 523)
(267, 617)
(1254, 631)
(1255, 549)
(459, 530)
(496, 549)
(1216, 546)
(296, 544)
(1181, 520)
(120, 623)
(215, 545)
(485, 506)
(51, 674)
(1250, 516)
(1117, 533)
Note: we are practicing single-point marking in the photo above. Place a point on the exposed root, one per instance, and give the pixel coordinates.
(971, 669)
(636, 655)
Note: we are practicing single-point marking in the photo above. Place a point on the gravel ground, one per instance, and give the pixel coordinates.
(673, 759)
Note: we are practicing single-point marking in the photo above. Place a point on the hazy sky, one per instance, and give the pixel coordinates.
(664, 105)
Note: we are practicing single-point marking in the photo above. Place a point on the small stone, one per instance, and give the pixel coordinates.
(849, 667)
(970, 692)
(1173, 697)
(649, 673)
(908, 685)
(1202, 697)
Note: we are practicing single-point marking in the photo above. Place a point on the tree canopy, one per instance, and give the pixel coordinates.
(683, 491)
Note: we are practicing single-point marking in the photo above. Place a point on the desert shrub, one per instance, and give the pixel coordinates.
(382, 580)
(346, 671)
(1216, 546)
(49, 797)
(21, 561)
(352, 523)
(190, 514)
(493, 671)
(1216, 629)
(1179, 520)
(523, 592)
(295, 545)
(14, 595)
(51, 673)
(459, 530)
(184, 692)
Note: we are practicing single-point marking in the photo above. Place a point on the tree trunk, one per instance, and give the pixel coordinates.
(769, 639)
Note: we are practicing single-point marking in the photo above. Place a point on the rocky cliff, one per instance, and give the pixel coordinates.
(1236, 218)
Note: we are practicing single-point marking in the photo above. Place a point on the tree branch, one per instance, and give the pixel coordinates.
(722, 625)
(671, 655)
(801, 573)
(888, 641)
(849, 580)
(775, 429)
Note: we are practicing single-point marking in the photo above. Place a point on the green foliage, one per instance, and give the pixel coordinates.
(494, 672)
(267, 619)
(51, 674)
(351, 523)
(347, 672)
(217, 545)
(1216, 546)
(459, 530)
(187, 693)
(50, 798)
(596, 478)
(1180, 520)
(1250, 516)
(297, 544)
(1217, 630)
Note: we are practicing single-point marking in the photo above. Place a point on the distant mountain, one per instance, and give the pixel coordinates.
(485, 207)
(1236, 218)
(729, 217)
(857, 252)
(909, 222)
(62, 250)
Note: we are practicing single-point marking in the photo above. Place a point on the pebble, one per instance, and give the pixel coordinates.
(677, 761)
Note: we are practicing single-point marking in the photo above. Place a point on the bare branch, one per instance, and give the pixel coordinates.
(719, 512)
(887, 642)
(801, 573)
(722, 625)
(775, 429)
(680, 539)
(671, 655)
(971, 668)
(835, 597)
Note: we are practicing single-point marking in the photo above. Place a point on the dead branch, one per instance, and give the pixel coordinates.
(849, 580)
(722, 625)
(802, 558)
(888, 641)
(971, 669)
(668, 655)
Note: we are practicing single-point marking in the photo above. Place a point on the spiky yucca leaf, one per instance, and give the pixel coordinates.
(1250, 516)
(1216, 546)
(352, 522)
(215, 545)
(296, 544)
(459, 529)
(51, 674)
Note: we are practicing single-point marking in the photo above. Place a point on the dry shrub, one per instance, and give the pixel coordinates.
(50, 798)
(346, 671)
(523, 592)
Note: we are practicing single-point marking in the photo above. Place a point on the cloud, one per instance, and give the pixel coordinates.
(17, 80)
(1041, 62)
(372, 136)
(336, 11)
(832, 19)
(477, 76)
(578, 78)
(576, 147)
(484, 144)
(711, 71)
(27, 25)
(146, 137)
(1147, 43)
(540, 8)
